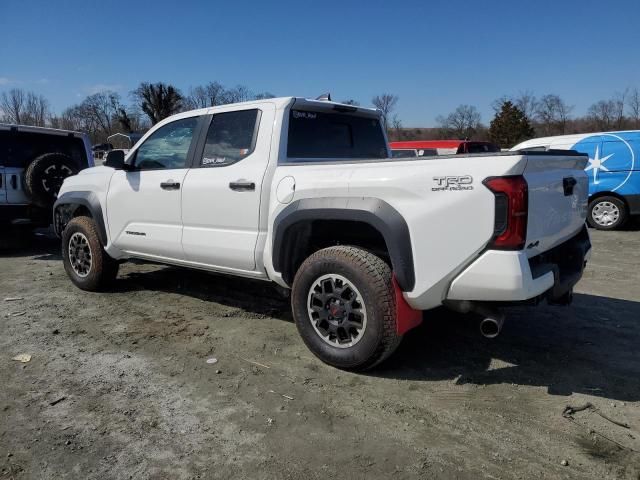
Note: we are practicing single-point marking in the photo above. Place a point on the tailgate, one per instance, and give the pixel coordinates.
(558, 196)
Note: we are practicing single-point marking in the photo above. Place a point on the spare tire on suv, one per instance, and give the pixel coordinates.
(44, 176)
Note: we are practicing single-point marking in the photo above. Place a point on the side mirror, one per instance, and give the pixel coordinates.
(115, 159)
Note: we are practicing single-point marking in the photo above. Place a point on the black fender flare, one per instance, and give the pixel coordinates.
(66, 205)
(372, 211)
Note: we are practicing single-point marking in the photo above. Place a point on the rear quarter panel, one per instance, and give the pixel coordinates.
(448, 227)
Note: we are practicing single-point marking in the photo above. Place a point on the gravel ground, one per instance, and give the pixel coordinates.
(118, 385)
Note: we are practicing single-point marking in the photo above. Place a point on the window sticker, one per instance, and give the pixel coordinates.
(307, 115)
(213, 161)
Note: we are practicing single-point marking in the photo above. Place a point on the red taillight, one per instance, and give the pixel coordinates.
(510, 227)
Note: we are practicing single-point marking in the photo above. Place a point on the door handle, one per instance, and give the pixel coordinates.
(242, 186)
(170, 185)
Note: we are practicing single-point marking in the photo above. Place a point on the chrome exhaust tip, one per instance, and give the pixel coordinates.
(490, 327)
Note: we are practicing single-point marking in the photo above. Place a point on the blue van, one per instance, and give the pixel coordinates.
(613, 169)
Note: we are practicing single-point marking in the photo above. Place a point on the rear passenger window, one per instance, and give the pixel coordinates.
(231, 137)
(327, 136)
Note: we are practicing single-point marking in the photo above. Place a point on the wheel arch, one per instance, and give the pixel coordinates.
(293, 228)
(73, 204)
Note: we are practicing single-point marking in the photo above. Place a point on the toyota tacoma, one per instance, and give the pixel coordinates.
(304, 193)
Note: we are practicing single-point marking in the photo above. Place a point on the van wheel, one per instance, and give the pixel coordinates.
(344, 307)
(607, 213)
(44, 176)
(89, 267)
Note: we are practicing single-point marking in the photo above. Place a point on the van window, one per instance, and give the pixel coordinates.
(403, 154)
(327, 136)
(478, 147)
(535, 149)
(428, 152)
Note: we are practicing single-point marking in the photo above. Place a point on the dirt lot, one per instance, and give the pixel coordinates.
(118, 385)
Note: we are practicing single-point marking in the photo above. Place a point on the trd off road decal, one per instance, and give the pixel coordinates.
(452, 183)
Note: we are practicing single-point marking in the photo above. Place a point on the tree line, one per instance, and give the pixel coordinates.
(516, 118)
(523, 116)
(105, 113)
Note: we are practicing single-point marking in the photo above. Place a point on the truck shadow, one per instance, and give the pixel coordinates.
(590, 347)
(254, 296)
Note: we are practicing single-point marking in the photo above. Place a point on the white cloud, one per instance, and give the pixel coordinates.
(4, 81)
(101, 87)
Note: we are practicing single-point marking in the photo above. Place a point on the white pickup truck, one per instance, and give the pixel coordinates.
(304, 193)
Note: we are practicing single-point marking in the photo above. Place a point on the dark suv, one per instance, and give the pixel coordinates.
(34, 161)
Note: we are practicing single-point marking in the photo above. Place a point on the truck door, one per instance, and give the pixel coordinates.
(221, 196)
(144, 204)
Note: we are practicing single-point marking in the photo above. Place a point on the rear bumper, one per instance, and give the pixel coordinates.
(633, 201)
(509, 276)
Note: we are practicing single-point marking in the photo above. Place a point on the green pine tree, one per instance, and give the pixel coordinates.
(510, 126)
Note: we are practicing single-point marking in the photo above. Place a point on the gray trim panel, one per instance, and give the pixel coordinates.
(76, 199)
(372, 211)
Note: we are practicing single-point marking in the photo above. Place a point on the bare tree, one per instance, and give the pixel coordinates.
(463, 122)
(239, 93)
(209, 95)
(100, 111)
(386, 103)
(158, 101)
(633, 104)
(601, 114)
(264, 95)
(527, 103)
(12, 104)
(552, 114)
(72, 118)
(26, 108)
(396, 126)
(496, 105)
(607, 114)
(130, 120)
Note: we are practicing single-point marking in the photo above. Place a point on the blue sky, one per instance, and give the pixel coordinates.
(434, 55)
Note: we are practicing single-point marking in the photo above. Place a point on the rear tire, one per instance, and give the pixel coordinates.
(89, 267)
(344, 306)
(44, 176)
(607, 213)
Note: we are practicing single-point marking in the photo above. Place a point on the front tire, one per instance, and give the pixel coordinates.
(607, 213)
(344, 306)
(89, 267)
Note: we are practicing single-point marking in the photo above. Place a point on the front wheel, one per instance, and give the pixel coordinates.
(607, 213)
(344, 307)
(89, 267)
